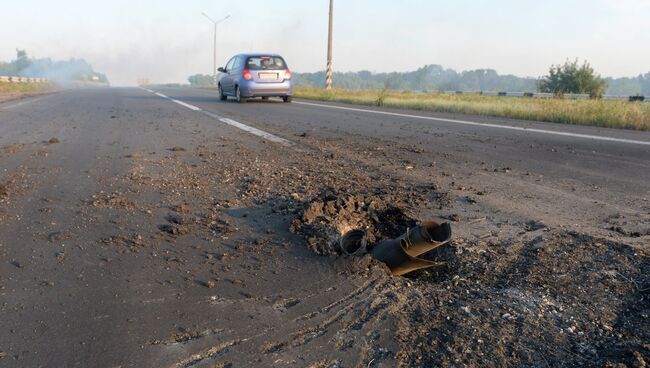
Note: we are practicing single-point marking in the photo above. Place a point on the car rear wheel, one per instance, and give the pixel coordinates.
(287, 99)
(222, 97)
(238, 96)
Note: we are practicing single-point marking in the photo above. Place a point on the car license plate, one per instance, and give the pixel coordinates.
(268, 76)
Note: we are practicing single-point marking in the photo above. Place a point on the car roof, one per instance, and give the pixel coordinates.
(253, 54)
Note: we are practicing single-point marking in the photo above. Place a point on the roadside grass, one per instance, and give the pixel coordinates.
(602, 113)
(6, 87)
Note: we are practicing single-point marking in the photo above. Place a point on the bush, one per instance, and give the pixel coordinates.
(572, 78)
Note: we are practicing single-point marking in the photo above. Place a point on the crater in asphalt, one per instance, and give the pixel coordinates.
(326, 218)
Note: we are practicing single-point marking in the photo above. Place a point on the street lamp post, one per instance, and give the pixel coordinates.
(214, 56)
(329, 47)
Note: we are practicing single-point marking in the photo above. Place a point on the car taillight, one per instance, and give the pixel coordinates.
(287, 74)
(247, 74)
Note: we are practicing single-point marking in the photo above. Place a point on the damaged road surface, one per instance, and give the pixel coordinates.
(136, 231)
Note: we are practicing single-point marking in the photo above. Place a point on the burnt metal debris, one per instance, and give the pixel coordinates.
(401, 254)
(354, 243)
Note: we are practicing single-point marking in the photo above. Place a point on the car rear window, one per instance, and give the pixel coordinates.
(265, 63)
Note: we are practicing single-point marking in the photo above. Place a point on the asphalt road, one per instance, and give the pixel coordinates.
(98, 269)
(553, 164)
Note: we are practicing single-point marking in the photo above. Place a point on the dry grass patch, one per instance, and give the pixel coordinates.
(602, 113)
(6, 87)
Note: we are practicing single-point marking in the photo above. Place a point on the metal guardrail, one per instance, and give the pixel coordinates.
(7, 79)
(569, 96)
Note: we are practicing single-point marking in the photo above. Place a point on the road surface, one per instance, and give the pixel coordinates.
(162, 227)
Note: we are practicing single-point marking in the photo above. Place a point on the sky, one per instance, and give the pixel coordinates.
(168, 40)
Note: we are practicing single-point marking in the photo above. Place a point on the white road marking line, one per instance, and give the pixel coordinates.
(236, 124)
(191, 107)
(257, 132)
(510, 127)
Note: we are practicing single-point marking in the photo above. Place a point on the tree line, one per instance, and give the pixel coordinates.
(569, 77)
(61, 71)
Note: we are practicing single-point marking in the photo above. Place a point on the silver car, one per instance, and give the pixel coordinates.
(255, 75)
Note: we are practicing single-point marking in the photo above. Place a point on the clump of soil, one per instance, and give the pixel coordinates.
(178, 219)
(105, 200)
(173, 229)
(216, 222)
(4, 192)
(57, 236)
(131, 242)
(330, 215)
(53, 140)
(177, 149)
(184, 335)
(182, 208)
(12, 148)
(17, 183)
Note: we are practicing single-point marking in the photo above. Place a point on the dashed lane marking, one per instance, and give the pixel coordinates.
(258, 132)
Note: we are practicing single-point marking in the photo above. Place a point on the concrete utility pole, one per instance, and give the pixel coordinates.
(214, 56)
(329, 47)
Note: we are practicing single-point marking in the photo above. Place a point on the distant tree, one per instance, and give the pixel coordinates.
(394, 81)
(625, 86)
(436, 78)
(22, 61)
(201, 80)
(572, 78)
(644, 80)
(420, 79)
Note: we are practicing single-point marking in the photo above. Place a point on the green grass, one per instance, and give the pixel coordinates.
(6, 87)
(602, 113)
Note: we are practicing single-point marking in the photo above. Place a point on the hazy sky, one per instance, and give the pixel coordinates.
(168, 40)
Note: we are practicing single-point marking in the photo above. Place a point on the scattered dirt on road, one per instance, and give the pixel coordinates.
(4, 191)
(57, 236)
(530, 296)
(561, 297)
(130, 243)
(113, 200)
(182, 208)
(13, 148)
(15, 183)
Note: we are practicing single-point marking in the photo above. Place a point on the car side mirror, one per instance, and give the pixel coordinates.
(221, 69)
